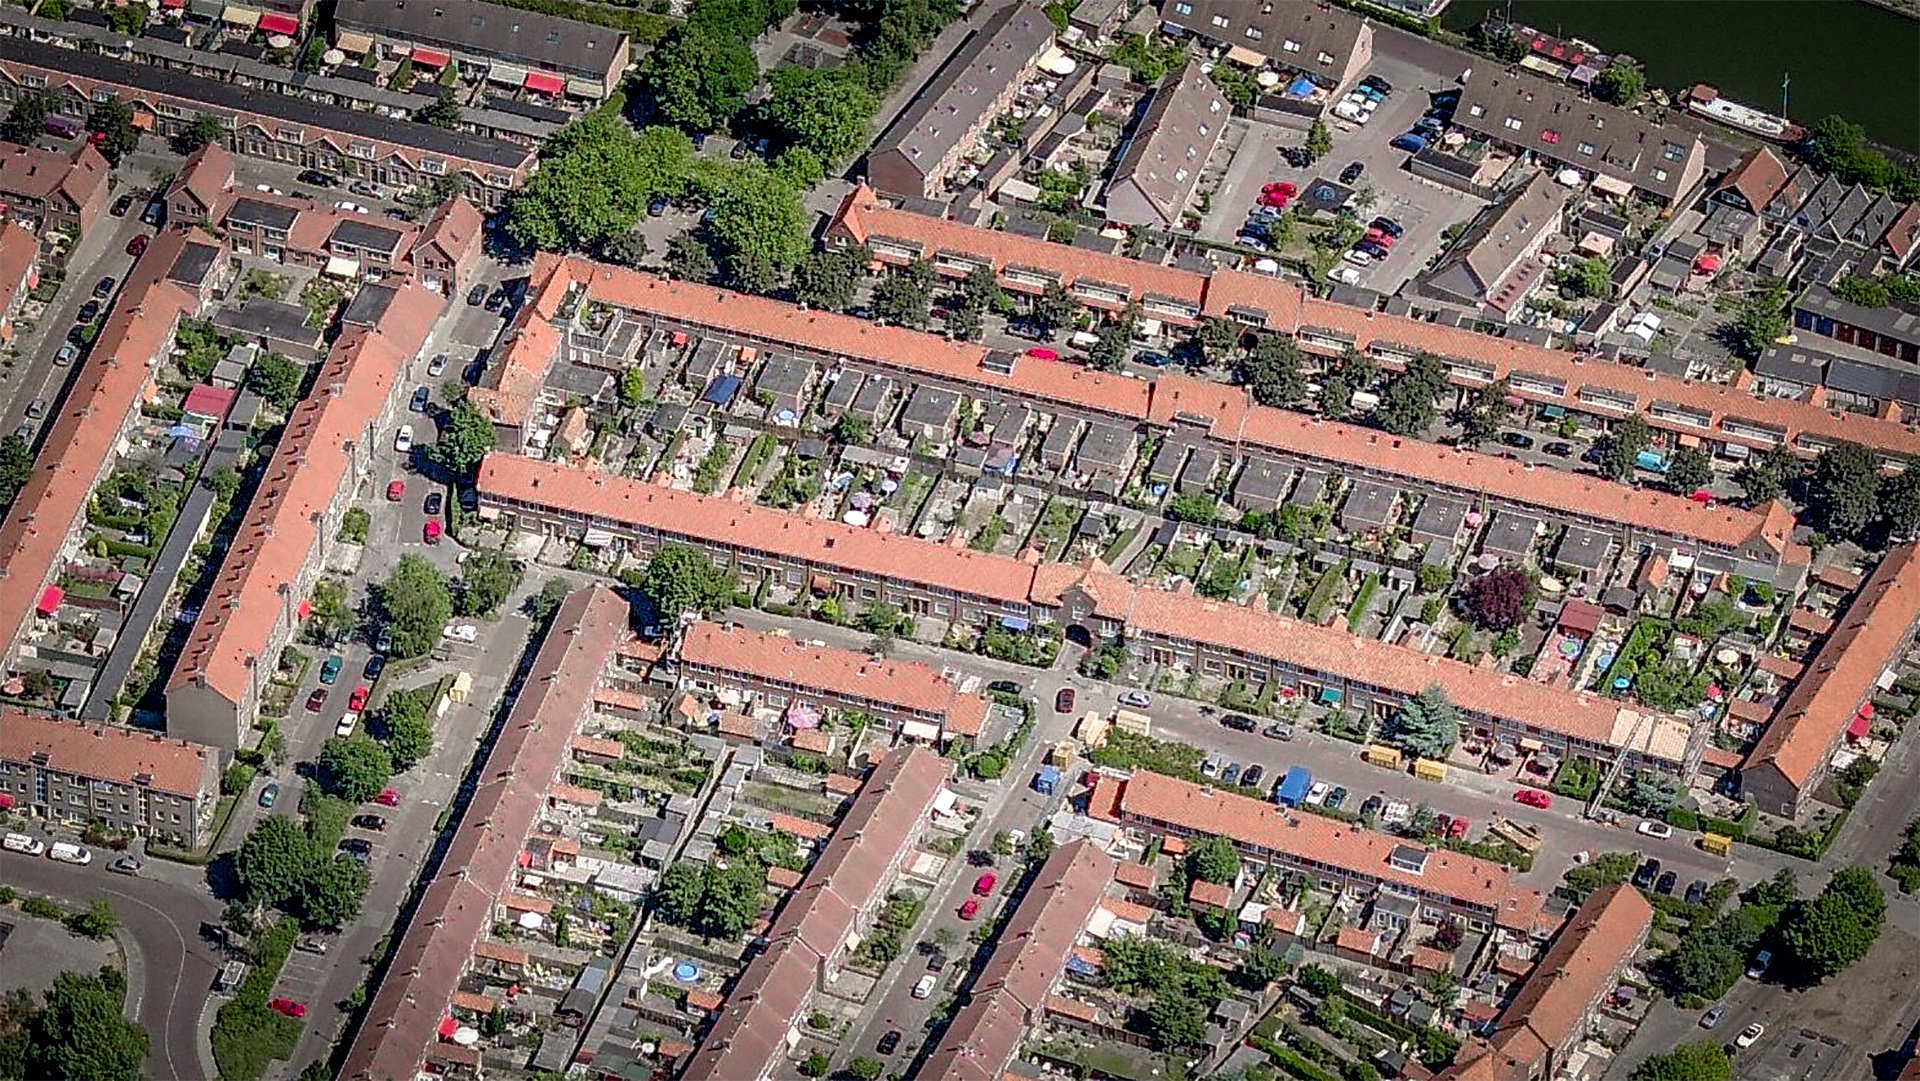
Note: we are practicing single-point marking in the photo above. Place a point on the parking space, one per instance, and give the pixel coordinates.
(33, 951)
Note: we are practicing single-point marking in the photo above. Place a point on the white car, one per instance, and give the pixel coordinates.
(20, 842)
(345, 727)
(1750, 1035)
(1137, 699)
(269, 189)
(350, 206)
(68, 852)
(461, 632)
(1657, 830)
(925, 987)
(403, 439)
(1358, 257)
(1317, 795)
(1346, 275)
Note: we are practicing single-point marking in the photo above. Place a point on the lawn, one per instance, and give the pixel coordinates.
(247, 1036)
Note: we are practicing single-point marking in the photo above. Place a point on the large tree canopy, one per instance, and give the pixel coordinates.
(596, 178)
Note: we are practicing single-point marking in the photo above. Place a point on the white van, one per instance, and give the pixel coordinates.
(20, 842)
(68, 852)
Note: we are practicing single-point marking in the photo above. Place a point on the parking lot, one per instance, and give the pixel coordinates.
(1423, 209)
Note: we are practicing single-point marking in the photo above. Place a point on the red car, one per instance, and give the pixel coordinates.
(287, 1006)
(137, 246)
(387, 798)
(1380, 238)
(430, 532)
(316, 700)
(1063, 702)
(984, 885)
(1280, 188)
(970, 909)
(396, 491)
(1274, 199)
(1043, 353)
(358, 700)
(1533, 797)
(1459, 828)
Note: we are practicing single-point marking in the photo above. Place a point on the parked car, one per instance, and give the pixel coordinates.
(1251, 777)
(369, 822)
(37, 408)
(330, 668)
(461, 632)
(1372, 804)
(1516, 440)
(1696, 891)
(311, 944)
(368, 188)
(270, 795)
(316, 700)
(121, 205)
(1317, 795)
(357, 701)
(1658, 830)
(1412, 142)
(103, 288)
(1358, 258)
(376, 664)
(476, 296)
(1063, 702)
(437, 366)
(138, 245)
(287, 1006)
(1042, 353)
(1387, 226)
(1712, 1017)
(433, 503)
(24, 844)
(356, 846)
(68, 852)
(1643, 876)
(1559, 450)
(1375, 82)
(348, 722)
(1239, 722)
(1230, 775)
(1278, 730)
(124, 865)
(497, 301)
(924, 988)
(1352, 172)
(89, 311)
(983, 885)
(967, 912)
(1005, 686)
(421, 396)
(1371, 248)
(1336, 799)
(387, 798)
(317, 178)
(396, 490)
(403, 439)
(1750, 1035)
(1152, 359)
(1137, 699)
(1459, 827)
(1380, 237)
(1533, 797)
(1664, 887)
(889, 1043)
(1760, 963)
(67, 355)
(77, 334)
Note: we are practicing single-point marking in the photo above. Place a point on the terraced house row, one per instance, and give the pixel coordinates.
(1732, 419)
(1751, 543)
(945, 584)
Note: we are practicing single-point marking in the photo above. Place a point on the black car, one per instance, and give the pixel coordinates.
(1696, 891)
(89, 311)
(1664, 887)
(77, 333)
(476, 296)
(1377, 83)
(1559, 450)
(1352, 172)
(1647, 872)
(1373, 248)
(1251, 778)
(937, 961)
(121, 206)
(1388, 226)
(656, 208)
(1231, 774)
(370, 822)
(497, 301)
(315, 176)
(434, 502)
(356, 846)
(104, 288)
(1372, 804)
(1516, 440)
(980, 857)
(376, 664)
(421, 396)
(1592, 456)
(889, 1043)
(1296, 157)
(1238, 722)
(1005, 686)
(1336, 799)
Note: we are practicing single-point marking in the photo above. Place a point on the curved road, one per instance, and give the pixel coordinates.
(176, 965)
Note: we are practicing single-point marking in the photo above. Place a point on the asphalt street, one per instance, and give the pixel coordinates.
(175, 965)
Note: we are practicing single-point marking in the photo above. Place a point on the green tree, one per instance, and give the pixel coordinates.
(1427, 725)
(680, 578)
(1823, 936)
(1319, 141)
(826, 111)
(863, 1068)
(1900, 502)
(1197, 507)
(1052, 309)
(416, 604)
(595, 180)
(1766, 476)
(1866, 292)
(1689, 471)
(16, 465)
(98, 920)
(1213, 859)
(276, 379)
(1586, 278)
(759, 230)
(1695, 1060)
(1842, 490)
(26, 120)
(330, 895)
(696, 79)
(1407, 408)
(816, 1064)
(852, 431)
(81, 1032)
(466, 436)
(981, 289)
(689, 260)
(354, 768)
(827, 279)
(1258, 969)
(965, 321)
(1271, 371)
(402, 724)
(1834, 144)
(330, 617)
(1484, 412)
(905, 296)
(1756, 323)
(203, 131)
(1622, 446)
(1336, 394)
(1113, 341)
(272, 861)
(442, 112)
(1619, 83)
(487, 579)
(1176, 1021)
(114, 119)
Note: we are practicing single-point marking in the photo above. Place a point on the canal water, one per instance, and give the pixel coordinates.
(1845, 56)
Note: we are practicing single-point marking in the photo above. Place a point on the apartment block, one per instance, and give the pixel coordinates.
(1331, 45)
(511, 48)
(1159, 166)
(75, 774)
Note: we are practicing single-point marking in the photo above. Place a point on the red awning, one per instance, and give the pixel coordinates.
(271, 23)
(541, 82)
(1862, 724)
(170, 4)
(50, 600)
(305, 607)
(6, 802)
(448, 1026)
(1707, 263)
(430, 58)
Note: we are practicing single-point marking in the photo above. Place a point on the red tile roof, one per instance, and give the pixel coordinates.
(1152, 798)
(1017, 980)
(109, 754)
(1357, 941)
(845, 675)
(1815, 714)
(78, 441)
(483, 858)
(32, 173)
(1202, 892)
(1137, 876)
(283, 524)
(804, 828)
(19, 250)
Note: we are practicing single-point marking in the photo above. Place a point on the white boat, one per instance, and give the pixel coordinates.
(1706, 101)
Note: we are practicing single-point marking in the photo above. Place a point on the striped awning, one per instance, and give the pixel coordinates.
(275, 23)
(506, 75)
(352, 43)
(239, 16)
(584, 88)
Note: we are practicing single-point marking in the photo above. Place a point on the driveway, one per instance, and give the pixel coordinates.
(171, 968)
